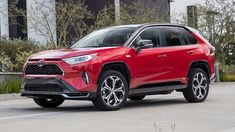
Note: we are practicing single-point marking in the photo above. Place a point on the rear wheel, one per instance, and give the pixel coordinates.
(112, 91)
(198, 86)
(136, 98)
(49, 103)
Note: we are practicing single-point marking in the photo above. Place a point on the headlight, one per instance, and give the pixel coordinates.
(79, 59)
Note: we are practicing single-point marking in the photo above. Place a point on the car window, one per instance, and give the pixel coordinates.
(172, 36)
(113, 36)
(152, 34)
(184, 37)
(189, 36)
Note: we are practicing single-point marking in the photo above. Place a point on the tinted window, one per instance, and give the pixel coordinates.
(152, 34)
(191, 39)
(172, 35)
(113, 36)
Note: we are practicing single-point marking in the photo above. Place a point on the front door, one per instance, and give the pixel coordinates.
(149, 65)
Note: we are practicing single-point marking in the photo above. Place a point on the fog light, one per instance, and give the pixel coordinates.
(85, 77)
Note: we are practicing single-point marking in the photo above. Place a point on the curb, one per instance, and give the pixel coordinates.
(14, 96)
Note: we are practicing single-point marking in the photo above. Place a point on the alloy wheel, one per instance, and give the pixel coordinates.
(200, 85)
(112, 91)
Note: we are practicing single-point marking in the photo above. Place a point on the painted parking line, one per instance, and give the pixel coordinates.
(26, 116)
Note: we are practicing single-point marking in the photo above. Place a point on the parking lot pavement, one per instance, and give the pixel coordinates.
(158, 113)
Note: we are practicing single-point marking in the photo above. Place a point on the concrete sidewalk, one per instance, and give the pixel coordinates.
(14, 96)
(165, 113)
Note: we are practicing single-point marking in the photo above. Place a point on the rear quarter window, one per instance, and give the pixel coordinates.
(172, 36)
(189, 36)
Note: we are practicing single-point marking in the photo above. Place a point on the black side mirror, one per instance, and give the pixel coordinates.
(144, 44)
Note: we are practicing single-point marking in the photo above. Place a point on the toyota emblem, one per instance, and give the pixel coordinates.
(41, 63)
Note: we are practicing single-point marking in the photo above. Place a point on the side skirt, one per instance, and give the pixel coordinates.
(160, 88)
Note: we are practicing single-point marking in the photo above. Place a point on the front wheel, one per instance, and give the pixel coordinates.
(198, 86)
(48, 103)
(112, 91)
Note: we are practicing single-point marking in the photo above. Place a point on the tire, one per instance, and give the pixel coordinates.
(136, 98)
(112, 91)
(49, 103)
(198, 86)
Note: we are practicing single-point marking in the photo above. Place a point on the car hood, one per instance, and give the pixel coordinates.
(66, 53)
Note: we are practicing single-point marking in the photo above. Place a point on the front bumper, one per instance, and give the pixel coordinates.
(39, 87)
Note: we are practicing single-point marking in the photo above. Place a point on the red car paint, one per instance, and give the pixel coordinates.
(153, 65)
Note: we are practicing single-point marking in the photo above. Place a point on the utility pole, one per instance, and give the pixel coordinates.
(117, 11)
(170, 1)
(192, 16)
(233, 18)
(212, 15)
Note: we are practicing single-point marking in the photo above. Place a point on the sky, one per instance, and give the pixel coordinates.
(181, 5)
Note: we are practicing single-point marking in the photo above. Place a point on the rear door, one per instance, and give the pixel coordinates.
(179, 54)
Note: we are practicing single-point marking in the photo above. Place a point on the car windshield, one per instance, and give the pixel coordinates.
(107, 37)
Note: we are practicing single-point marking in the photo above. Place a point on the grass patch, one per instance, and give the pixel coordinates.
(10, 86)
(227, 77)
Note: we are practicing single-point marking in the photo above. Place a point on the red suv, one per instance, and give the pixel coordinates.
(115, 63)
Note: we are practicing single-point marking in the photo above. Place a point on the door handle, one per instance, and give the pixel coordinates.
(190, 52)
(162, 56)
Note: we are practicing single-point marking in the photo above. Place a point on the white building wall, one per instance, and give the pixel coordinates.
(41, 20)
(4, 21)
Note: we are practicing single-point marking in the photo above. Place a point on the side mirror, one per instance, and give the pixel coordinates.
(144, 44)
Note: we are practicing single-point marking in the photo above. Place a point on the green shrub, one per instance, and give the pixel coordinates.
(15, 52)
(227, 77)
(10, 86)
(5, 62)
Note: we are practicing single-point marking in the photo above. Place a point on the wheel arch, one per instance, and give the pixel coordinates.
(117, 66)
(202, 64)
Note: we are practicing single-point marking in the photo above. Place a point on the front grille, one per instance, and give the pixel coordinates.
(44, 88)
(47, 69)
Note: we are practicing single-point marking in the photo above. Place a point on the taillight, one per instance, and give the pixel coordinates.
(211, 49)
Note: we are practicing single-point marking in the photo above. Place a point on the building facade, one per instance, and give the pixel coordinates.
(18, 26)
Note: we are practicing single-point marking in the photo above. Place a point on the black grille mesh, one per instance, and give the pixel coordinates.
(47, 69)
(44, 88)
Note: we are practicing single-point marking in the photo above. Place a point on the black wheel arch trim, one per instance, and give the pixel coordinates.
(200, 62)
(116, 62)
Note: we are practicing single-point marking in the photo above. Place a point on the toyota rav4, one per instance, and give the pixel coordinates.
(115, 63)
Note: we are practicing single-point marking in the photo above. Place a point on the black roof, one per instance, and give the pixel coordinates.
(150, 24)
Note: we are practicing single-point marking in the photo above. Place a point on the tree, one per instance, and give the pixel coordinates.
(215, 23)
(105, 17)
(72, 21)
(67, 21)
(137, 12)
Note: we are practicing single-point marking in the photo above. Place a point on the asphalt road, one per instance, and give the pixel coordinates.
(159, 113)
